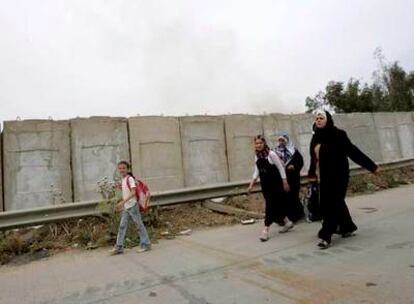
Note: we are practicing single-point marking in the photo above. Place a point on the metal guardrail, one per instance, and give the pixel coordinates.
(49, 214)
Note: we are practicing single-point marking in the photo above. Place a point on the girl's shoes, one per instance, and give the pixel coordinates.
(265, 236)
(323, 244)
(288, 226)
(144, 249)
(116, 251)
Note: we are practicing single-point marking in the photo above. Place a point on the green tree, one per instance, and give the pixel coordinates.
(398, 88)
(318, 101)
(391, 90)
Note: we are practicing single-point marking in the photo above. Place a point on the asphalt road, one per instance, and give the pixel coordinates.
(230, 265)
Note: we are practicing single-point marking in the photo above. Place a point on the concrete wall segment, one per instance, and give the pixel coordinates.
(98, 144)
(204, 150)
(156, 151)
(36, 163)
(240, 131)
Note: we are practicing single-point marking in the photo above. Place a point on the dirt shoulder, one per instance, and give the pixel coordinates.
(24, 245)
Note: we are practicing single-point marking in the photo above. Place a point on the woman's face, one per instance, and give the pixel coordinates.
(259, 145)
(320, 121)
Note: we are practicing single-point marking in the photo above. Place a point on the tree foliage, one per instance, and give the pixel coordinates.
(392, 90)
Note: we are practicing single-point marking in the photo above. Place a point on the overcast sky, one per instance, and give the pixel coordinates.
(68, 58)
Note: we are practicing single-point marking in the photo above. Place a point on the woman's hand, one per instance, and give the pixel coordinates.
(291, 167)
(377, 171)
(286, 185)
(249, 189)
(251, 185)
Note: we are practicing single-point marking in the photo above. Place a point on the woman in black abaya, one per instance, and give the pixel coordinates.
(329, 149)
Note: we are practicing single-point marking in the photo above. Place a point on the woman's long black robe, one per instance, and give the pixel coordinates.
(295, 207)
(335, 148)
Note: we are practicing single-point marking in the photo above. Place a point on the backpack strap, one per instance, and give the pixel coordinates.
(136, 188)
(127, 182)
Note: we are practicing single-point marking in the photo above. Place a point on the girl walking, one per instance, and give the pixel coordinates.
(130, 209)
(293, 162)
(329, 150)
(274, 185)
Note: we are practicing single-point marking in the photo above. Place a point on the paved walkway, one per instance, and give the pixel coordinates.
(230, 265)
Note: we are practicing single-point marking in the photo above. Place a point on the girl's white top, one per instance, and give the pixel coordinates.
(126, 192)
(274, 160)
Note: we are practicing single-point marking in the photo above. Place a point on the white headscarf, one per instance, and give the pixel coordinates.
(285, 152)
(320, 112)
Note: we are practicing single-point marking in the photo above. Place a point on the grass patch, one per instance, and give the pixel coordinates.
(368, 183)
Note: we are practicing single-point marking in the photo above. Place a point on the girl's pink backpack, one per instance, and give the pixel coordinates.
(142, 193)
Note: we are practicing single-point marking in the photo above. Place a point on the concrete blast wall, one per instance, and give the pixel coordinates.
(36, 163)
(167, 152)
(395, 135)
(361, 130)
(240, 131)
(204, 150)
(98, 144)
(302, 130)
(156, 151)
(274, 125)
(405, 129)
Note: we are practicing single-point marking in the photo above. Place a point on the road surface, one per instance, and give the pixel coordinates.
(230, 265)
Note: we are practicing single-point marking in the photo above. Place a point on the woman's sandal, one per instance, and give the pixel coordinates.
(323, 244)
(288, 226)
(265, 236)
(348, 234)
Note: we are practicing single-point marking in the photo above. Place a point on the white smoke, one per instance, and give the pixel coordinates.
(67, 58)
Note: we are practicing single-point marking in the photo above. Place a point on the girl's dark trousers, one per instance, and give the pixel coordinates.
(272, 189)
